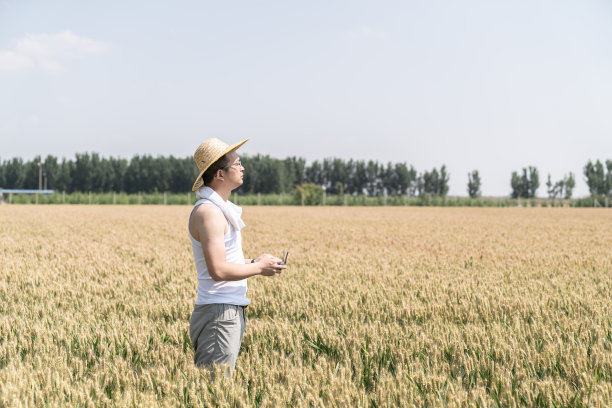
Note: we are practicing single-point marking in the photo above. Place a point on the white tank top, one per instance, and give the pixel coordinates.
(209, 291)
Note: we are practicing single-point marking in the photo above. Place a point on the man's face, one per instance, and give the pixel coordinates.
(234, 170)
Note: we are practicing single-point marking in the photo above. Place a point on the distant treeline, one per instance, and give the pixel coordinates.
(263, 174)
(266, 175)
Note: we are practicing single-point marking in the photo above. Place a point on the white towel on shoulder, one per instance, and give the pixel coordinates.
(231, 211)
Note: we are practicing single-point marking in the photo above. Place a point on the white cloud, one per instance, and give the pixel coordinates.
(368, 32)
(49, 51)
(12, 61)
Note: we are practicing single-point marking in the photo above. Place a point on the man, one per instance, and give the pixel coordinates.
(217, 322)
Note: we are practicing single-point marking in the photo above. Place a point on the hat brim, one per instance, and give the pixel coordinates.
(199, 182)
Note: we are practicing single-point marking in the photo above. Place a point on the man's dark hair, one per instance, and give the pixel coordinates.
(209, 174)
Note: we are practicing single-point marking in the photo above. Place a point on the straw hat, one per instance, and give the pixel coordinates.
(209, 152)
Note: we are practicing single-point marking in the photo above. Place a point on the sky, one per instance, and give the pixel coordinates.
(492, 86)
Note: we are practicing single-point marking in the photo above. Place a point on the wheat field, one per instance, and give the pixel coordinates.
(400, 306)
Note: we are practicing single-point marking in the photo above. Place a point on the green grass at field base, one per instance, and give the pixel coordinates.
(288, 199)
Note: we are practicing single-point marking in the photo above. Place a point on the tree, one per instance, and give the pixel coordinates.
(527, 185)
(338, 175)
(516, 185)
(608, 177)
(433, 182)
(64, 179)
(51, 169)
(406, 178)
(555, 189)
(397, 178)
(299, 168)
(118, 168)
(570, 183)
(132, 176)
(314, 173)
(99, 174)
(473, 186)
(149, 174)
(551, 188)
(562, 188)
(308, 194)
(413, 186)
(596, 178)
(442, 186)
(82, 173)
(360, 177)
(326, 174)
(534, 181)
(250, 176)
(32, 171)
(374, 182)
(14, 173)
(287, 175)
(164, 174)
(270, 178)
(429, 182)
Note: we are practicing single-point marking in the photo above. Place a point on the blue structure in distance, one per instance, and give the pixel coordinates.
(19, 191)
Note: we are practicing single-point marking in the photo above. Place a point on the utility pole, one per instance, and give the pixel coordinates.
(45, 177)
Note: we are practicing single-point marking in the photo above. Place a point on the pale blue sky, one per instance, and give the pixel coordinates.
(487, 85)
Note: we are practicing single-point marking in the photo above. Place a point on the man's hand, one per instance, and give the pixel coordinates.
(270, 265)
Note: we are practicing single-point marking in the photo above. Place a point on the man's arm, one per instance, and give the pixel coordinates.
(209, 224)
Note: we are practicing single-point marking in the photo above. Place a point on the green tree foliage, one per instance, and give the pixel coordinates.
(14, 173)
(397, 179)
(308, 194)
(406, 179)
(433, 183)
(336, 175)
(32, 169)
(473, 186)
(526, 185)
(358, 181)
(82, 173)
(51, 169)
(292, 173)
(562, 188)
(91, 172)
(534, 181)
(118, 169)
(517, 186)
(360, 177)
(64, 177)
(599, 177)
(554, 189)
(569, 183)
(373, 177)
(314, 173)
(263, 174)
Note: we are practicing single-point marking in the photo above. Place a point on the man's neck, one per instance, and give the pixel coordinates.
(223, 192)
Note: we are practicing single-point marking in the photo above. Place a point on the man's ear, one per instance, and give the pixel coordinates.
(220, 174)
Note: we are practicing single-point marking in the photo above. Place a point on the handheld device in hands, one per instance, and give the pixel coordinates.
(285, 255)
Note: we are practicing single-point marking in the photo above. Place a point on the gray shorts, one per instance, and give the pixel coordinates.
(216, 333)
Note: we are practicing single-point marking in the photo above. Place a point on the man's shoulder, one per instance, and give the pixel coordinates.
(207, 220)
(208, 210)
